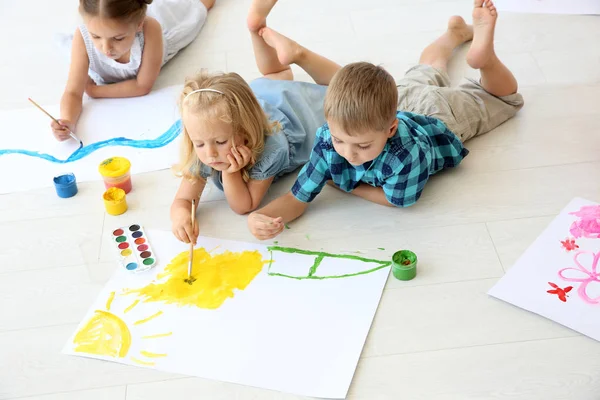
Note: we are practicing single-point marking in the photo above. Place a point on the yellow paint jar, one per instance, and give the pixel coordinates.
(114, 201)
(115, 172)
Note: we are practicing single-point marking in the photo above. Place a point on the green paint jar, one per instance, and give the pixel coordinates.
(404, 265)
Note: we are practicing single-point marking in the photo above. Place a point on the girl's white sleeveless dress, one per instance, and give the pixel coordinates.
(181, 21)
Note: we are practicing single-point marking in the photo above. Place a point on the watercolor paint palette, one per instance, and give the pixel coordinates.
(133, 247)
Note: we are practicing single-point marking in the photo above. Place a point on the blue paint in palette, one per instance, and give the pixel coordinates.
(131, 266)
(84, 151)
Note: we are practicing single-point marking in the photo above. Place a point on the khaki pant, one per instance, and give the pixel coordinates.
(467, 110)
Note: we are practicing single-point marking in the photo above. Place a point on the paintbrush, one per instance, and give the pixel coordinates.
(55, 120)
(190, 280)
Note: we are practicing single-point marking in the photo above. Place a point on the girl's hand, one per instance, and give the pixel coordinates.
(240, 157)
(264, 227)
(62, 130)
(182, 226)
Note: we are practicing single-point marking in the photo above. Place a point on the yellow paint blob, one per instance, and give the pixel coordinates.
(105, 334)
(126, 252)
(143, 321)
(214, 278)
(138, 361)
(151, 355)
(111, 297)
(158, 335)
(135, 303)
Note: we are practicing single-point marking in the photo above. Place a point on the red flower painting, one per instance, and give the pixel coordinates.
(569, 244)
(561, 293)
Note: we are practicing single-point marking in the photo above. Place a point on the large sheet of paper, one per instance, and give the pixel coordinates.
(271, 317)
(550, 6)
(143, 129)
(558, 276)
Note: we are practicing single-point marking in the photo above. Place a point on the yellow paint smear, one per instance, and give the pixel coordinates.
(110, 300)
(151, 355)
(105, 334)
(216, 277)
(135, 303)
(143, 321)
(158, 335)
(149, 363)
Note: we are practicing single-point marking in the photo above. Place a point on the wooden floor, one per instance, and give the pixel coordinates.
(438, 337)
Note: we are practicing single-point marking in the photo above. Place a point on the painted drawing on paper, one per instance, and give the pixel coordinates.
(248, 306)
(106, 334)
(108, 128)
(86, 150)
(565, 256)
(214, 278)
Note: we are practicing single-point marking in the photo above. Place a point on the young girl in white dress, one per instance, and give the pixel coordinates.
(120, 48)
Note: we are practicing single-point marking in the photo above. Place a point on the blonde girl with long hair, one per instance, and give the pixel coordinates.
(245, 136)
(121, 47)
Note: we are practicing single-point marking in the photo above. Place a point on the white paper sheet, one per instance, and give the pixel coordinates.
(142, 118)
(283, 332)
(550, 6)
(563, 260)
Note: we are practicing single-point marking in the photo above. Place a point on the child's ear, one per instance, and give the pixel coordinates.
(393, 128)
(140, 26)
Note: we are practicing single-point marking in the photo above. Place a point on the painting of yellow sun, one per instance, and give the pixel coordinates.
(106, 334)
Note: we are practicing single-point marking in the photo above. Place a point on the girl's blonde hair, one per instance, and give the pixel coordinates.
(235, 105)
(125, 10)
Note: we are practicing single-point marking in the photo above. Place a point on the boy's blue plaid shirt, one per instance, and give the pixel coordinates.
(421, 147)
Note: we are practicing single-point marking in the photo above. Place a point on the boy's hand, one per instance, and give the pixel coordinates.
(240, 157)
(182, 226)
(264, 227)
(62, 130)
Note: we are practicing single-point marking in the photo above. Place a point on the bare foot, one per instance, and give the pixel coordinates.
(484, 23)
(257, 16)
(288, 51)
(459, 28)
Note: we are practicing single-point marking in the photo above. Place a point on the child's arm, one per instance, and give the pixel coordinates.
(244, 197)
(152, 57)
(270, 220)
(181, 210)
(374, 194)
(71, 101)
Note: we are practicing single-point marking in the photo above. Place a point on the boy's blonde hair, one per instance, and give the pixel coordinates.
(236, 105)
(360, 97)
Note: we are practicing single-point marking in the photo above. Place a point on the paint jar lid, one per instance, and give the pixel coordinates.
(64, 180)
(114, 195)
(114, 167)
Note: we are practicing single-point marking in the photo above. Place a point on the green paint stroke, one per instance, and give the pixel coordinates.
(286, 226)
(320, 256)
(314, 267)
(380, 248)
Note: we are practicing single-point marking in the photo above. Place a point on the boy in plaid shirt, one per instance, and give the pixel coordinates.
(370, 149)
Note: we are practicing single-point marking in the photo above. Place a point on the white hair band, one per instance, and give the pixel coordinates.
(202, 90)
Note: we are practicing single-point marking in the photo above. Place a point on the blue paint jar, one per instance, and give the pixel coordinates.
(66, 185)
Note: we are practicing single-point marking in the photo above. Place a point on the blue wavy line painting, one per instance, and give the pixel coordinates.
(84, 151)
